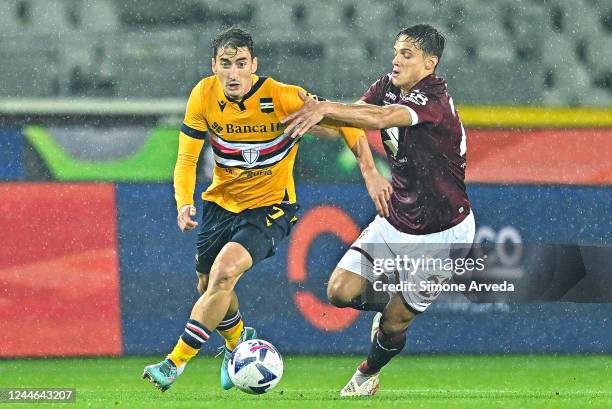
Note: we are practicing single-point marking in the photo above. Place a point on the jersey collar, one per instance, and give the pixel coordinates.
(258, 82)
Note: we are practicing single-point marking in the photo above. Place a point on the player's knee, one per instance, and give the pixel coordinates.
(223, 276)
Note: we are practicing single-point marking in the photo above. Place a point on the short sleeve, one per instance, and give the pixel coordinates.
(195, 124)
(351, 135)
(423, 107)
(288, 97)
(374, 94)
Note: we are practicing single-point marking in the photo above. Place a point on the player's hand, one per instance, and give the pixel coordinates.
(184, 218)
(380, 191)
(304, 119)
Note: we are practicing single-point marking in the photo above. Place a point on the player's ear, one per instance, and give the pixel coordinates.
(254, 65)
(430, 62)
(213, 65)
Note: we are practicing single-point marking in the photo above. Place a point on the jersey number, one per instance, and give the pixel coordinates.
(278, 212)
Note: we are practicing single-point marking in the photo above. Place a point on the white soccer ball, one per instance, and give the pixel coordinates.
(255, 366)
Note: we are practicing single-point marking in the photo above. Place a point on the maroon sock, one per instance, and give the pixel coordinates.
(383, 349)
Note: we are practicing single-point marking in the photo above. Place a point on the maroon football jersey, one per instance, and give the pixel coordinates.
(427, 159)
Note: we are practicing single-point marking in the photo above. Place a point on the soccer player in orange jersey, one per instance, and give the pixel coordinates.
(251, 204)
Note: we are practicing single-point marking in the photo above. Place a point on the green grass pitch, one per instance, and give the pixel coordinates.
(313, 382)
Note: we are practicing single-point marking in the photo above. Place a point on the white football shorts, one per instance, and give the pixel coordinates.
(403, 263)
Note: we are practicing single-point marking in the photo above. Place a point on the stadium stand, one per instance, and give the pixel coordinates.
(126, 49)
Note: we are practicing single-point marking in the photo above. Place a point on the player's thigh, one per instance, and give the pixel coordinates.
(397, 316)
(229, 265)
(345, 285)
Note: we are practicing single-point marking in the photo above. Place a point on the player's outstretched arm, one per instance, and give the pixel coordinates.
(358, 115)
(379, 188)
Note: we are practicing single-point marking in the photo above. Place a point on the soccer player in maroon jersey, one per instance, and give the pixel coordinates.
(429, 213)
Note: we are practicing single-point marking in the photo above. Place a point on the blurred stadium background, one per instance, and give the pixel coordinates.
(533, 52)
(91, 100)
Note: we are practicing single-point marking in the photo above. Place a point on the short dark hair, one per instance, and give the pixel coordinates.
(235, 38)
(426, 38)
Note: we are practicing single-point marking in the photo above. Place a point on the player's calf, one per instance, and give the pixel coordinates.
(388, 341)
(384, 348)
(232, 330)
(390, 337)
(396, 318)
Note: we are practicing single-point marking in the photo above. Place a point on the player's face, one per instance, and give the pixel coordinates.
(234, 67)
(410, 65)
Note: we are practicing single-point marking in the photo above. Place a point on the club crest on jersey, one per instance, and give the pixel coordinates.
(266, 105)
(250, 155)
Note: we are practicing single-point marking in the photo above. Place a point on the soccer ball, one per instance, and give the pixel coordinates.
(255, 366)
